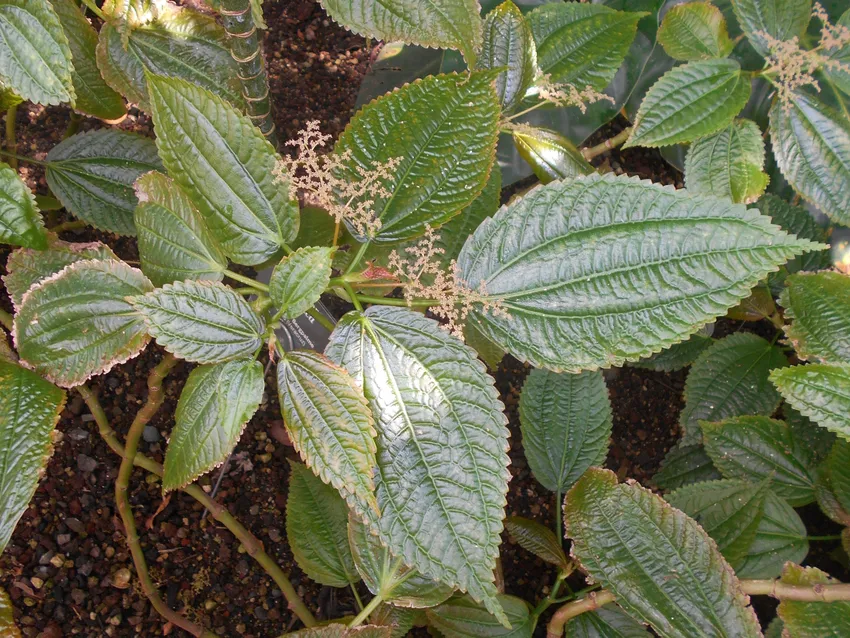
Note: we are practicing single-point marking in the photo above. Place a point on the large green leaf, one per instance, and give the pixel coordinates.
(811, 142)
(94, 96)
(174, 242)
(78, 323)
(445, 24)
(226, 166)
(299, 280)
(550, 155)
(780, 537)
(508, 42)
(827, 498)
(8, 627)
(26, 267)
(445, 159)
(677, 356)
(93, 173)
(582, 44)
(757, 447)
(816, 442)
(215, 405)
(729, 379)
(20, 221)
(606, 622)
(820, 392)
(442, 463)
(781, 20)
(28, 413)
(330, 424)
(695, 31)
(838, 466)
(728, 163)
(601, 270)
(316, 528)
(201, 321)
(35, 59)
(689, 102)
(819, 304)
(537, 539)
(179, 43)
(461, 617)
(388, 577)
(685, 465)
(566, 424)
(660, 565)
(729, 510)
(812, 619)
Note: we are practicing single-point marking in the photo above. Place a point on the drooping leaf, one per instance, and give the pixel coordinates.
(730, 511)
(780, 537)
(77, 323)
(463, 618)
(94, 96)
(730, 378)
(20, 221)
(820, 392)
(551, 155)
(812, 619)
(490, 353)
(26, 267)
(330, 425)
(685, 465)
(819, 305)
(299, 280)
(444, 24)
(28, 413)
(316, 528)
(8, 627)
(827, 498)
(695, 31)
(582, 44)
(441, 445)
(758, 306)
(811, 142)
(677, 356)
(566, 424)
(728, 163)
(641, 284)
(174, 242)
(508, 42)
(201, 321)
(815, 441)
(606, 622)
(400, 619)
(336, 630)
(757, 447)
(226, 166)
(35, 60)
(445, 159)
(838, 466)
(93, 174)
(537, 539)
(781, 20)
(388, 577)
(660, 565)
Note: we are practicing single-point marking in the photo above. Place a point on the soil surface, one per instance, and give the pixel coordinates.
(67, 568)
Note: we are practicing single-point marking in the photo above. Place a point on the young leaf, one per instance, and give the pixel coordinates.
(582, 44)
(77, 323)
(441, 24)
(174, 242)
(94, 96)
(812, 619)
(758, 447)
(8, 627)
(819, 304)
(35, 60)
(92, 174)
(601, 270)
(508, 42)
(695, 31)
(226, 166)
(26, 267)
(566, 423)
(461, 617)
(445, 160)
(729, 510)
(685, 465)
(780, 537)
(728, 163)
(537, 539)
(28, 413)
(606, 622)
(677, 356)
(201, 321)
(782, 20)
(316, 528)
(550, 155)
(729, 379)
(336, 630)
(20, 221)
(811, 142)
(387, 577)
(442, 462)
(299, 280)
(660, 565)
(215, 405)
(330, 425)
(820, 392)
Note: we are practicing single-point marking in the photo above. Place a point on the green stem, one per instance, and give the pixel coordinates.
(95, 9)
(73, 125)
(242, 279)
(558, 532)
(71, 225)
(6, 319)
(357, 257)
(11, 140)
(607, 145)
(833, 537)
(366, 612)
(389, 301)
(322, 319)
(22, 158)
(356, 597)
(352, 296)
(526, 111)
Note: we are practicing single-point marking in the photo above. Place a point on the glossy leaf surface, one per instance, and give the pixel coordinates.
(463, 618)
(819, 306)
(550, 155)
(695, 31)
(537, 539)
(684, 465)
(508, 42)
(606, 622)
(299, 280)
(820, 392)
(780, 537)
(782, 20)
(20, 221)
(812, 619)
(677, 356)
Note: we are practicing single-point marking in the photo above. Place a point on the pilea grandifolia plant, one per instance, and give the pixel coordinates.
(400, 429)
